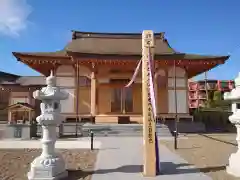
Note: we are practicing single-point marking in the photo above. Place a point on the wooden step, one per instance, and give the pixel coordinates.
(106, 119)
(136, 119)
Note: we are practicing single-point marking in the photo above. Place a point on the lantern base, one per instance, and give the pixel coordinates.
(50, 168)
(234, 165)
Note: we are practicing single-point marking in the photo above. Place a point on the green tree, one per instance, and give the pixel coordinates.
(214, 98)
(217, 96)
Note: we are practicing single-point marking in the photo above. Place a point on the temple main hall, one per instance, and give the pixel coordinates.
(95, 67)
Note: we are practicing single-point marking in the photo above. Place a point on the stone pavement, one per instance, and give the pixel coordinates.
(120, 158)
(60, 144)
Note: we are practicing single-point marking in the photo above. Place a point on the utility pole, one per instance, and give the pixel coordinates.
(206, 88)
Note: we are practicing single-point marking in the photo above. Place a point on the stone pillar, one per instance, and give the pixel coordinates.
(93, 93)
(234, 161)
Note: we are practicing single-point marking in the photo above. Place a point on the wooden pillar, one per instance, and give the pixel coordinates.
(9, 116)
(30, 116)
(156, 91)
(93, 93)
(149, 149)
(77, 92)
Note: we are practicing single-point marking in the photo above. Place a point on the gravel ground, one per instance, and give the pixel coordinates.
(208, 152)
(14, 164)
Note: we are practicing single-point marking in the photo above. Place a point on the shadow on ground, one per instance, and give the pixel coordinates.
(168, 168)
(195, 147)
(219, 140)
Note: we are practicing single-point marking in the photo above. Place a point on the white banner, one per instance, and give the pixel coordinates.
(151, 85)
(135, 74)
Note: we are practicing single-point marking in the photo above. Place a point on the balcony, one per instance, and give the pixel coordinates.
(193, 95)
(201, 87)
(192, 86)
(193, 104)
(211, 86)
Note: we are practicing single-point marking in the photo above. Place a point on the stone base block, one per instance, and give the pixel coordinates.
(48, 168)
(234, 165)
(57, 177)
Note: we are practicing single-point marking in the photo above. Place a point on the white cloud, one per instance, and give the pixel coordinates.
(13, 16)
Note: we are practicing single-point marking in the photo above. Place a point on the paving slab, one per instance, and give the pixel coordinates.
(61, 144)
(121, 159)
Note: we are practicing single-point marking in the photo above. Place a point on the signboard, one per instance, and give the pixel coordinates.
(149, 112)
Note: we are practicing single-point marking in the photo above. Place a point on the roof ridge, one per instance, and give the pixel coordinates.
(81, 34)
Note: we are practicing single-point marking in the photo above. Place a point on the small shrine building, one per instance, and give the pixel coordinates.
(95, 67)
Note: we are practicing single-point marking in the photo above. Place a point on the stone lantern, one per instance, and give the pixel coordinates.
(234, 96)
(49, 165)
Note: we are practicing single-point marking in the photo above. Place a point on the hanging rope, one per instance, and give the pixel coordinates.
(134, 74)
(151, 86)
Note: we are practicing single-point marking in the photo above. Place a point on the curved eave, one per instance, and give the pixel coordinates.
(168, 56)
(43, 59)
(69, 54)
(21, 56)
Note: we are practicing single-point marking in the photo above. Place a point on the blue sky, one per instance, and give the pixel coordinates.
(203, 26)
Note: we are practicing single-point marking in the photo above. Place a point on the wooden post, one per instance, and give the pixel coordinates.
(77, 97)
(93, 94)
(29, 116)
(10, 117)
(156, 92)
(149, 167)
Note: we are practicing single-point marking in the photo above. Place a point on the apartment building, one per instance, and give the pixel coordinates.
(198, 90)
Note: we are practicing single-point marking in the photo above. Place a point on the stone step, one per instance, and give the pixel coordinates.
(122, 130)
(123, 134)
(111, 130)
(120, 126)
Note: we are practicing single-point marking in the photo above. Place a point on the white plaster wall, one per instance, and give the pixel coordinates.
(65, 70)
(12, 94)
(15, 100)
(182, 106)
(67, 106)
(32, 80)
(66, 81)
(180, 72)
(180, 82)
